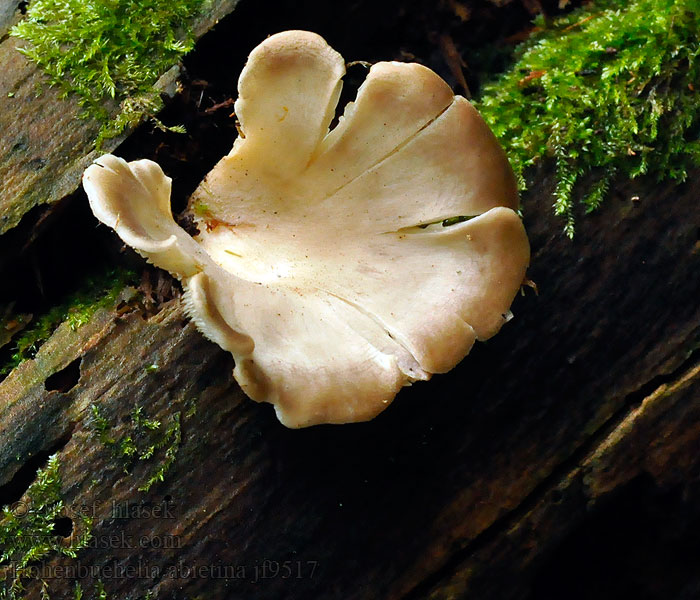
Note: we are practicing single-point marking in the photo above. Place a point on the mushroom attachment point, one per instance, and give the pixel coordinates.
(336, 266)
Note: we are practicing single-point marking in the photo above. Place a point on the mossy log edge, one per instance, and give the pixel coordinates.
(44, 144)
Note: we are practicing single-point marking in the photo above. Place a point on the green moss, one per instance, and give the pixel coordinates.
(142, 440)
(100, 592)
(101, 426)
(95, 292)
(27, 531)
(140, 420)
(171, 442)
(611, 89)
(108, 52)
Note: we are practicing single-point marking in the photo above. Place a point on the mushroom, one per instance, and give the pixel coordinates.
(335, 266)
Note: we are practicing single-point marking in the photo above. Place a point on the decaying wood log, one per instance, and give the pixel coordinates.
(475, 474)
(579, 421)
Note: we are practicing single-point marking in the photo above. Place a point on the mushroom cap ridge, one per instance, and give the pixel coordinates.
(322, 264)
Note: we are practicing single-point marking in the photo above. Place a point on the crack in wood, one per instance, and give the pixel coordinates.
(14, 489)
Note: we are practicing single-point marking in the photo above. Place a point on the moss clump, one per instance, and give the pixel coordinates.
(170, 440)
(95, 292)
(27, 531)
(108, 51)
(608, 90)
(143, 439)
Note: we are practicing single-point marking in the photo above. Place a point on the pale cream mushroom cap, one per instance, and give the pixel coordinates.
(322, 264)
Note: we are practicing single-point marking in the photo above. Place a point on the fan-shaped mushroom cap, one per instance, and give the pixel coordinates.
(322, 263)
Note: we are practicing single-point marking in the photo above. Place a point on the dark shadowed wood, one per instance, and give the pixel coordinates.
(625, 515)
